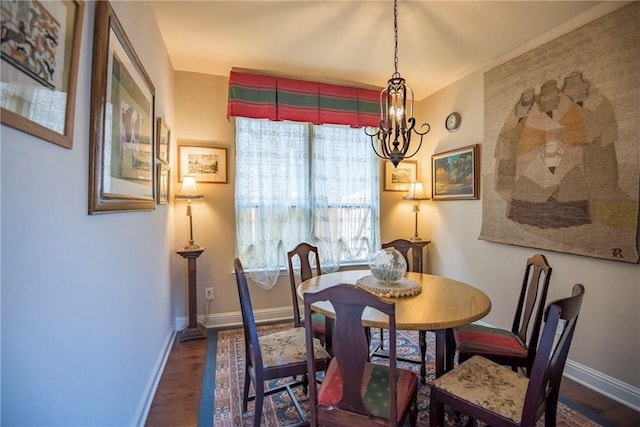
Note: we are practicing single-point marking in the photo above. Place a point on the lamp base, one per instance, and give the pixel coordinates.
(417, 239)
(190, 246)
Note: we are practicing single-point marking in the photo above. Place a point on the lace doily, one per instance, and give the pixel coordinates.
(404, 288)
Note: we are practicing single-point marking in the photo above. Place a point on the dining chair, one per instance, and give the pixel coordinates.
(412, 253)
(303, 252)
(515, 347)
(406, 248)
(495, 394)
(356, 392)
(277, 355)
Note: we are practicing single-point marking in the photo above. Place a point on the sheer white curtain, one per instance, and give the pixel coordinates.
(345, 195)
(296, 183)
(271, 194)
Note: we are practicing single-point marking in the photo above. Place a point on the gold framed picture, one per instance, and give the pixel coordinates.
(454, 174)
(207, 164)
(121, 150)
(400, 178)
(163, 146)
(163, 184)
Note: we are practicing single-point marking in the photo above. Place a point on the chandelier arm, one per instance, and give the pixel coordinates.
(406, 135)
(375, 149)
(417, 149)
(384, 144)
(370, 134)
(421, 126)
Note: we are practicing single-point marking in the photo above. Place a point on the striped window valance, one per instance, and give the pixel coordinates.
(279, 98)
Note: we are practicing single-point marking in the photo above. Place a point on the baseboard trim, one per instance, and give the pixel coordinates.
(608, 386)
(142, 412)
(612, 388)
(234, 318)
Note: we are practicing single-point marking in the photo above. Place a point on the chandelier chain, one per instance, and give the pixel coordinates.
(395, 33)
(392, 140)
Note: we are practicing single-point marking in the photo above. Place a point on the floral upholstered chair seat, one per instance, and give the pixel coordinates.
(488, 385)
(285, 347)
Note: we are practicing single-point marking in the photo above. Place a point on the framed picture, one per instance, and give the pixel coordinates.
(163, 183)
(207, 164)
(401, 177)
(121, 161)
(454, 174)
(39, 67)
(164, 141)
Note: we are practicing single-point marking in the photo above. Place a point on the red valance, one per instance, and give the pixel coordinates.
(278, 98)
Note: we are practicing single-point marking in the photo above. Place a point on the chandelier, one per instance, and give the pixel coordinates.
(392, 139)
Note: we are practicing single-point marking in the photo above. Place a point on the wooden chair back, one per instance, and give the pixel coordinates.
(251, 343)
(415, 261)
(544, 383)
(303, 252)
(531, 303)
(520, 346)
(350, 347)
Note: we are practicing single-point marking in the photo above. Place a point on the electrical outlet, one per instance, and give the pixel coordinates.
(208, 294)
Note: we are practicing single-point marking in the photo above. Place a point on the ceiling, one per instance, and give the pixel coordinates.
(439, 42)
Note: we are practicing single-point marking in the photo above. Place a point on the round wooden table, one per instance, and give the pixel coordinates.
(443, 304)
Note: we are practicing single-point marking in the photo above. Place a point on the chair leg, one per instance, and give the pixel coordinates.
(381, 339)
(245, 390)
(450, 351)
(257, 413)
(413, 413)
(436, 410)
(550, 411)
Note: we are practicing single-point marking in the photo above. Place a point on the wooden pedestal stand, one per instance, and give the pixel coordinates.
(418, 258)
(194, 330)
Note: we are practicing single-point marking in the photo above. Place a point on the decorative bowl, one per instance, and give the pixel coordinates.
(388, 266)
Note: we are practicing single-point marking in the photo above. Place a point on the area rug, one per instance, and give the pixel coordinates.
(228, 359)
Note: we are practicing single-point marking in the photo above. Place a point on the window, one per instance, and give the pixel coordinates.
(298, 182)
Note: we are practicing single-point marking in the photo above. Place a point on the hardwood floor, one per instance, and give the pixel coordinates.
(177, 398)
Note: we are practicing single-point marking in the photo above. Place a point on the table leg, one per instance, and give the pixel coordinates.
(441, 343)
(450, 350)
(422, 340)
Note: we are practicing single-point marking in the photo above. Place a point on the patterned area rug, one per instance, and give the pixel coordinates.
(278, 409)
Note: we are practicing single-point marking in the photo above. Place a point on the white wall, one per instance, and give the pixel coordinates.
(86, 300)
(606, 347)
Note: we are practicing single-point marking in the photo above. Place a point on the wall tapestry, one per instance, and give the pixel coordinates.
(561, 143)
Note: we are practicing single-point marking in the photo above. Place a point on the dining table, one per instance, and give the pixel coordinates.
(440, 305)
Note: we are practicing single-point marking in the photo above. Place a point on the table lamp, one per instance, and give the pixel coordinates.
(189, 191)
(416, 194)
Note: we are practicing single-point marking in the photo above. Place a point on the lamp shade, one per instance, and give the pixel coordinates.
(189, 189)
(416, 192)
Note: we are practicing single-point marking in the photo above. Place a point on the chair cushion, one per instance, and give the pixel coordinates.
(488, 385)
(285, 347)
(375, 390)
(477, 339)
